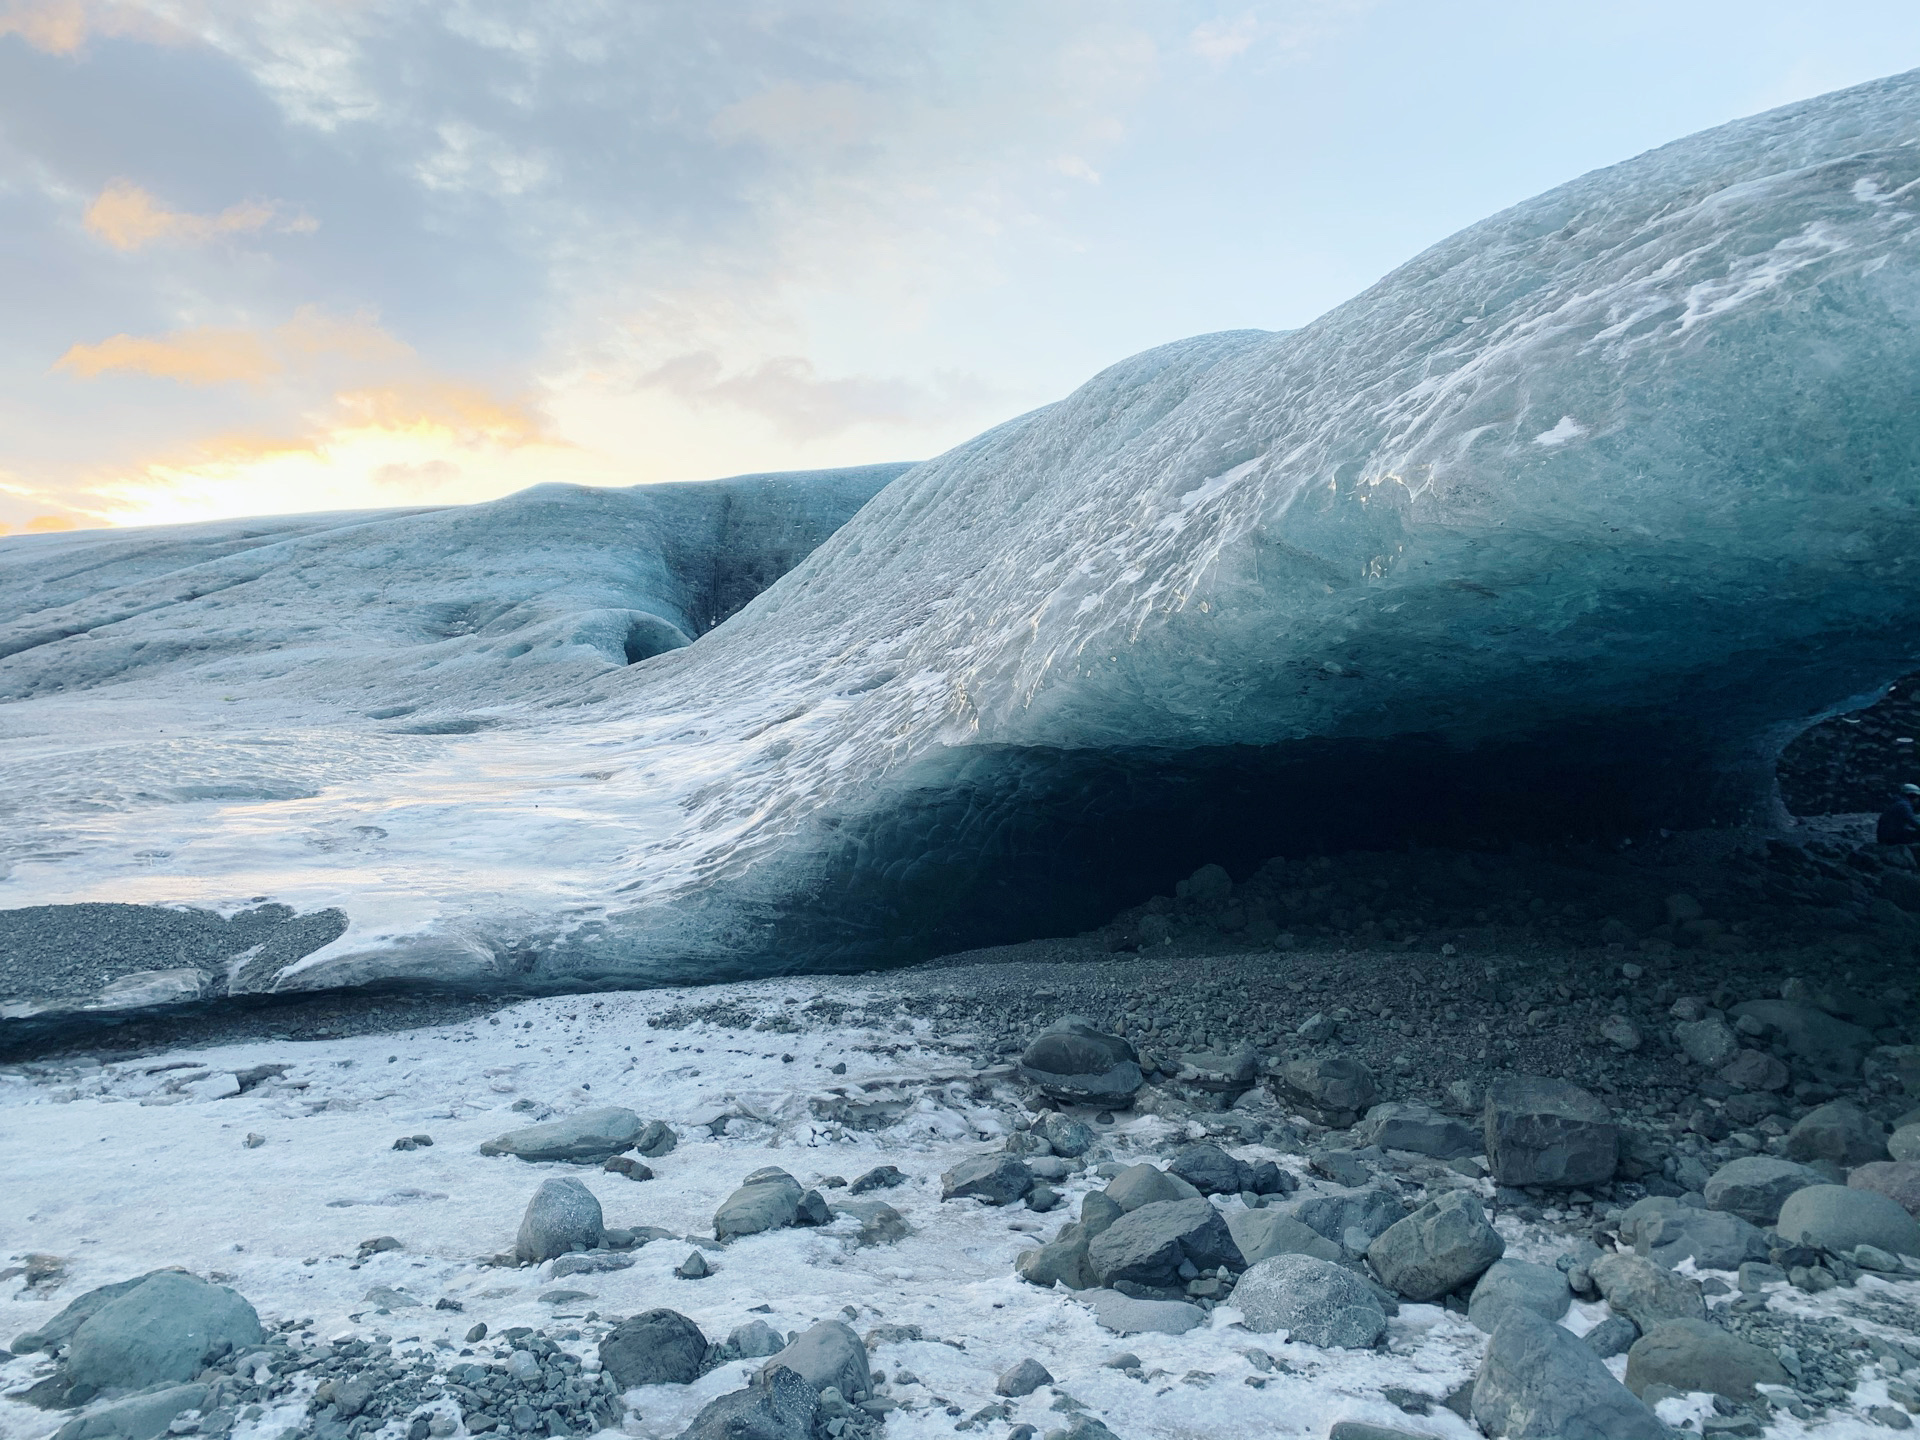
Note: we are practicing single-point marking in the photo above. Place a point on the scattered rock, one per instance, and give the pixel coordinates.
(660, 1347)
(1145, 1184)
(138, 1417)
(1438, 1248)
(1644, 1292)
(994, 1179)
(1125, 1315)
(656, 1138)
(1698, 1355)
(1066, 1135)
(1314, 1301)
(880, 1223)
(1832, 1048)
(881, 1177)
(755, 1340)
(1710, 1042)
(1754, 1186)
(561, 1215)
(1211, 1170)
(1835, 1218)
(628, 1166)
(768, 1199)
(1410, 1125)
(1509, 1283)
(1147, 1246)
(1023, 1379)
(1540, 1382)
(1837, 1132)
(694, 1267)
(1612, 1336)
(777, 1406)
(588, 1137)
(827, 1354)
(1076, 1064)
(413, 1142)
(1755, 1070)
(1548, 1132)
(1333, 1089)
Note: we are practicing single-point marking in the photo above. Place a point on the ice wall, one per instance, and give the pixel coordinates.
(1569, 523)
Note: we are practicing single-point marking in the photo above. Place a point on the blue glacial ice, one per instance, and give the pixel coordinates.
(1571, 522)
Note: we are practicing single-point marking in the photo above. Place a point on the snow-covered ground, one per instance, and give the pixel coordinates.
(140, 1163)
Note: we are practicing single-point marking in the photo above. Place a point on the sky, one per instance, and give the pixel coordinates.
(271, 256)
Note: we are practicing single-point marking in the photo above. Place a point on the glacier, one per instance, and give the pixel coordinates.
(1568, 525)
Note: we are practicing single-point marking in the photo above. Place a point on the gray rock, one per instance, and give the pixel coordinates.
(881, 1177)
(589, 1137)
(1438, 1248)
(1835, 1218)
(768, 1199)
(593, 1263)
(1755, 1070)
(656, 1139)
(1333, 1217)
(661, 1347)
(1832, 1048)
(1023, 1379)
(1334, 1089)
(139, 1417)
(880, 1223)
(1509, 1283)
(1538, 1381)
(1904, 1143)
(1144, 1184)
(755, 1340)
(1668, 1232)
(828, 1354)
(995, 1179)
(1146, 1246)
(1081, 1427)
(777, 1406)
(1211, 1170)
(1366, 1430)
(1837, 1132)
(1410, 1125)
(1548, 1132)
(1612, 1336)
(162, 1330)
(1754, 1186)
(694, 1267)
(813, 1209)
(1708, 1042)
(1066, 1135)
(1098, 1210)
(1261, 1234)
(1898, 1180)
(1644, 1292)
(562, 1214)
(57, 1330)
(1125, 1315)
(1077, 1064)
(1698, 1355)
(1063, 1261)
(1314, 1301)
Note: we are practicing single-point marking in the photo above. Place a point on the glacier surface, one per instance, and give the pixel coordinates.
(1569, 523)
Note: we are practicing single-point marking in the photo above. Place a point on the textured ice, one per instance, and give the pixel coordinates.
(1573, 520)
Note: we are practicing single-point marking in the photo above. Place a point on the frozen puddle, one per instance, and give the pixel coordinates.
(122, 1168)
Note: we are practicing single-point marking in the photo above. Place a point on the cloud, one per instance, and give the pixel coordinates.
(418, 477)
(128, 217)
(445, 410)
(1221, 40)
(63, 27)
(211, 355)
(787, 391)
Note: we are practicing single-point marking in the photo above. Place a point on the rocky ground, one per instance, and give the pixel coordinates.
(1436, 1143)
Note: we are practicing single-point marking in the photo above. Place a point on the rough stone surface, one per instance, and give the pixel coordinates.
(1336, 1217)
(1145, 1184)
(1023, 1379)
(1904, 1143)
(1509, 1283)
(1668, 1232)
(1316, 1302)
(1146, 1246)
(562, 1214)
(1261, 1234)
(1077, 1064)
(1898, 1180)
(587, 1138)
(1067, 1136)
(60, 1328)
(1644, 1292)
(1410, 1125)
(827, 1354)
(660, 1347)
(1334, 1089)
(778, 1406)
(768, 1199)
(1755, 1070)
(1754, 1186)
(1699, 1355)
(1838, 1132)
(1707, 1042)
(1438, 1248)
(995, 1179)
(1211, 1170)
(1126, 1315)
(1838, 1217)
(1540, 1382)
(161, 1330)
(1548, 1132)
(139, 1417)
(1832, 1048)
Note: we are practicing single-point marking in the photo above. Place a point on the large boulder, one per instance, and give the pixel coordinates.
(1145, 1184)
(1129, 1315)
(1831, 1048)
(55, 1332)
(1538, 1381)
(1904, 1143)
(1548, 1132)
(827, 1354)
(1644, 1292)
(1333, 1089)
(561, 1215)
(1838, 1217)
(1365, 1212)
(162, 1330)
(1837, 1132)
(1708, 1042)
(1075, 1063)
(1438, 1248)
(1755, 1070)
(1668, 1232)
(1510, 1283)
(1410, 1125)
(589, 1137)
(139, 1417)
(1261, 1234)
(1314, 1301)
(768, 1199)
(1754, 1186)
(995, 1179)
(1211, 1170)
(1699, 1355)
(779, 1405)
(1146, 1246)
(1061, 1261)
(1898, 1180)
(661, 1347)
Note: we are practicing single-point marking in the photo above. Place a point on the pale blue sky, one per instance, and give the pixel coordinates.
(262, 258)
